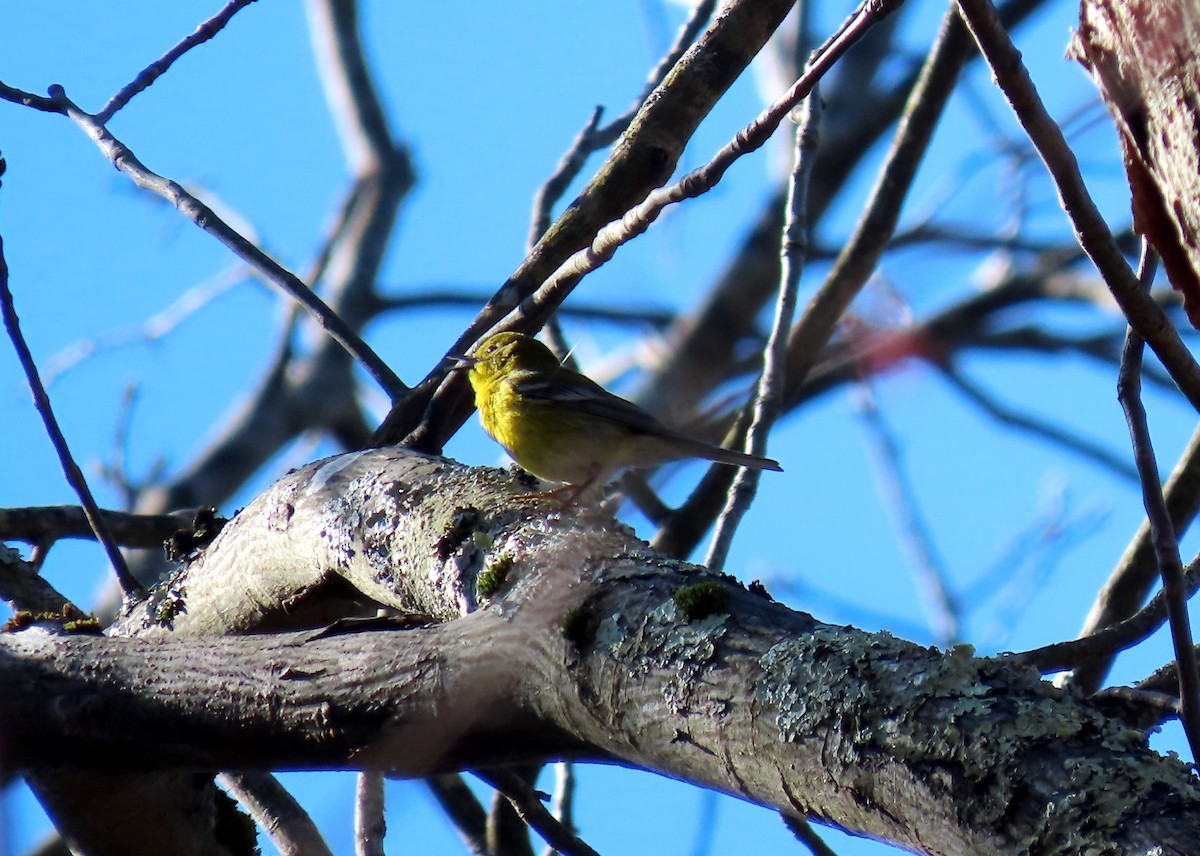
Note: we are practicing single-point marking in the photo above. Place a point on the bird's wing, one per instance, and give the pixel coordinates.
(581, 394)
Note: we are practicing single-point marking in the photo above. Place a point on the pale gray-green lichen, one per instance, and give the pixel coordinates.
(952, 711)
(339, 525)
(665, 641)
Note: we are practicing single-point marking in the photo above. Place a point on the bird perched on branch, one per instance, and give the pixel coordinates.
(564, 427)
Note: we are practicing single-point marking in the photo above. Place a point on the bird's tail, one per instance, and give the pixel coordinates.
(721, 455)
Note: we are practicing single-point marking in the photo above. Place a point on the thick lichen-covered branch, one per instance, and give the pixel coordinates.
(591, 647)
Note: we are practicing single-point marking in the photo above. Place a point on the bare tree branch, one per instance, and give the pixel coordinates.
(156, 69)
(1144, 315)
(369, 825)
(22, 588)
(204, 217)
(463, 809)
(1102, 645)
(437, 698)
(289, 826)
(1166, 547)
(130, 586)
(875, 227)
(52, 522)
(529, 806)
(1130, 582)
(768, 397)
(644, 161)
(943, 608)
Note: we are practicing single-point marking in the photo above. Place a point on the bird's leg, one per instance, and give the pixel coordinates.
(567, 494)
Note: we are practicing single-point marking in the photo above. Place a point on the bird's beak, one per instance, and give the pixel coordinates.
(461, 361)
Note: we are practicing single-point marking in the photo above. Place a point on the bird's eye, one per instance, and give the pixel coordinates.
(490, 349)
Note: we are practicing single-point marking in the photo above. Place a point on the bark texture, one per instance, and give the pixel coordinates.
(526, 633)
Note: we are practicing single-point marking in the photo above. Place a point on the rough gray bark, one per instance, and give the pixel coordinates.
(589, 646)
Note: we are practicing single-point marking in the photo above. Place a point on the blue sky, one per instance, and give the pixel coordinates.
(489, 99)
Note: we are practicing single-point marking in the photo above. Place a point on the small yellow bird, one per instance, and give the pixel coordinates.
(563, 427)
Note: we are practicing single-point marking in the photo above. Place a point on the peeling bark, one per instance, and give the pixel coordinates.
(1142, 56)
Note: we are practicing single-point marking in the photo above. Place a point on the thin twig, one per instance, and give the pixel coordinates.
(117, 470)
(39, 524)
(768, 398)
(860, 255)
(1104, 644)
(1143, 697)
(289, 826)
(1007, 416)
(507, 831)
(22, 587)
(28, 99)
(156, 69)
(463, 808)
(556, 185)
(1131, 580)
(699, 181)
(369, 825)
(447, 406)
(1166, 547)
(807, 836)
(130, 587)
(687, 34)
(593, 138)
(543, 205)
(1164, 679)
(529, 806)
(943, 608)
(433, 296)
(563, 805)
(204, 217)
(153, 328)
(1094, 236)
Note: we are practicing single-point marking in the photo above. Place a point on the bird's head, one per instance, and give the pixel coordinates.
(503, 354)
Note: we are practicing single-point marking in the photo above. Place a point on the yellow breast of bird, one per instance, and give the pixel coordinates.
(547, 439)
